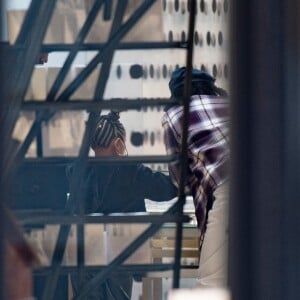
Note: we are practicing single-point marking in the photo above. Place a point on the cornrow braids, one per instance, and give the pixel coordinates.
(108, 127)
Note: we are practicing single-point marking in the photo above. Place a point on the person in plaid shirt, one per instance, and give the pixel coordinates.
(207, 174)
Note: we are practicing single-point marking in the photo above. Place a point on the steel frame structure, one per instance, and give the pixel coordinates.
(24, 52)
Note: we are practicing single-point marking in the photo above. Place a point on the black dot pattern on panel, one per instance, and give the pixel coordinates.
(170, 70)
(176, 67)
(119, 72)
(170, 7)
(208, 38)
(176, 5)
(219, 8)
(203, 68)
(183, 36)
(152, 138)
(214, 6)
(165, 71)
(200, 40)
(226, 71)
(189, 5)
(158, 72)
(213, 40)
(183, 7)
(226, 6)
(136, 71)
(145, 72)
(220, 71)
(164, 5)
(151, 71)
(220, 38)
(146, 136)
(137, 138)
(215, 71)
(196, 38)
(202, 6)
(170, 36)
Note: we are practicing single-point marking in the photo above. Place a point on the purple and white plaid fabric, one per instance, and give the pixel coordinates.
(208, 147)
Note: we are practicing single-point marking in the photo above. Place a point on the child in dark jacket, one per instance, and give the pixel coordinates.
(118, 189)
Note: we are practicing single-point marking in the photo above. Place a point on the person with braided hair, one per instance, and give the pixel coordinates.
(112, 188)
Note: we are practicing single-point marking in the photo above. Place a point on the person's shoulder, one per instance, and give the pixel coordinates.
(208, 103)
(173, 114)
(129, 168)
(208, 99)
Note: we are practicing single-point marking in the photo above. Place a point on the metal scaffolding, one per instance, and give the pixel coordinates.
(22, 56)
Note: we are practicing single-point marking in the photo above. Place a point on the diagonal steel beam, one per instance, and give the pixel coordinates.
(98, 95)
(184, 138)
(79, 166)
(125, 254)
(74, 49)
(29, 40)
(111, 44)
(106, 50)
(28, 46)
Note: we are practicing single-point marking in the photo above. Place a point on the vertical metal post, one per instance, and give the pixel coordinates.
(98, 96)
(79, 167)
(184, 144)
(21, 67)
(264, 208)
(3, 21)
(291, 221)
(2, 192)
(74, 51)
(39, 140)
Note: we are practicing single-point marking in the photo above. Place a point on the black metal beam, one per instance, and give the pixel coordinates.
(98, 95)
(110, 46)
(150, 159)
(120, 104)
(30, 38)
(106, 50)
(101, 276)
(83, 153)
(18, 66)
(3, 199)
(74, 50)
(184, 139)
(122, 46)
(133, 269)
(32, 218)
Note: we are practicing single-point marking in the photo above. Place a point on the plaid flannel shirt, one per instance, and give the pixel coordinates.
(208, 148)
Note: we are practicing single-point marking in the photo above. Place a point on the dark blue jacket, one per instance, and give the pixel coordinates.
(111, 189)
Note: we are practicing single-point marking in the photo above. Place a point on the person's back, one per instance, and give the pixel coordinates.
(208, 155)
(123, 188)
(117, 189)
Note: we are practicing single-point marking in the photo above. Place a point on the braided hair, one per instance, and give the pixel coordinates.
(108, 127)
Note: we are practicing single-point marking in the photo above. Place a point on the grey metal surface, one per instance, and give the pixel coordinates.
(264, 221)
